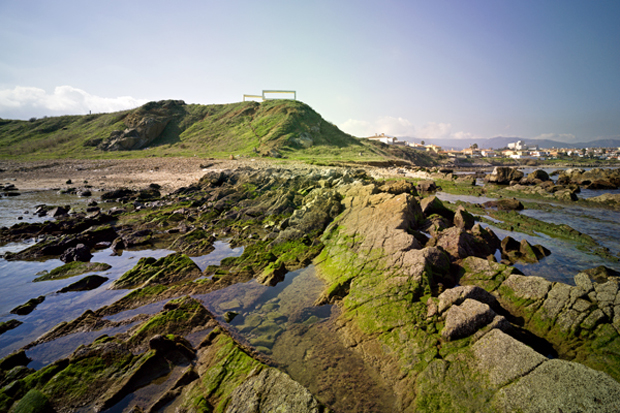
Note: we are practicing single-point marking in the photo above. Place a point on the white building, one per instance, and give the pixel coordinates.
(517, 146)
(384, 139)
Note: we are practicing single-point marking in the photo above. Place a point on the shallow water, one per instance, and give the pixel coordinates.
(465, 198)
(16, 287)
(222, 250)
(11, 208)
(46, 353)
(601, 224)
(283, 323)
(564, 262)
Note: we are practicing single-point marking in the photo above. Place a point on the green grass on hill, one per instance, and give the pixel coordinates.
(197, 130)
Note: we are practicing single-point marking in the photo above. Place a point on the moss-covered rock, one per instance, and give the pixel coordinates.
(178, 316)
(167, 270)
(87, 283)
(231, 380)
(484, 273)
(34, 402)
(9, 325)
(578, 322)
(72, 269)
(194, 243)
(28, 306)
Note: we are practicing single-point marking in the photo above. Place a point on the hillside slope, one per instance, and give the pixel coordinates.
(173, 128)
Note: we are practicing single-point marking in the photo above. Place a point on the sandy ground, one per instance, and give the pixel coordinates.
(170, 173)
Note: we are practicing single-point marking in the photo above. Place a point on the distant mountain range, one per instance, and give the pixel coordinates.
(503, 141)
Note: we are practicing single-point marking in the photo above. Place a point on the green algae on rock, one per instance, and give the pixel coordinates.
(167, 270)
(90, 282)
(579, 321)
(389, 323)
(9, 325)
(29, 306)
(72, 269)
(179, 315)
(194, 243)
(233, 381)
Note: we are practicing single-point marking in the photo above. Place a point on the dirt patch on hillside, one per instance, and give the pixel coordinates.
(170, 173)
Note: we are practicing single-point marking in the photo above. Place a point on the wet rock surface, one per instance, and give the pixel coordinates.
(28, 307)
(72, 269)
(87, 283)
(422, 320)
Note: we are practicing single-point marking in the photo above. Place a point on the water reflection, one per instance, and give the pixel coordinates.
(16, 287)
(564, 262)
(283, 323)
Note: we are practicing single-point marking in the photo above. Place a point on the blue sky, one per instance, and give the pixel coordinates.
(426, 69)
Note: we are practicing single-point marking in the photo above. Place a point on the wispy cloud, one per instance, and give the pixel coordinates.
(401, 127)
(560, 137)
(23, 102)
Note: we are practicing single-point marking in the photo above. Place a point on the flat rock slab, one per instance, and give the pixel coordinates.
(272, 391)
(87, 283)
(528, 287)
(561, 386)
(503, 358)
(465, 319)
(459, 294)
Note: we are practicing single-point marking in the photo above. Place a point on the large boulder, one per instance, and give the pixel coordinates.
(465, 319)
(456, 296)
(503, 358)
(612, 200)
(433, 205)
(538, 176)
(426, 186)
(460, 243)
(503, 175)
(463, 219)
(398, 187)
(523, 251)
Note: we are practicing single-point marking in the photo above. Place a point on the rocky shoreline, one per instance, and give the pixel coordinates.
(420, 296)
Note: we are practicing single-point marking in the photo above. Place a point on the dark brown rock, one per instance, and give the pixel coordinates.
(426, 186)
(85, 284)
(503, 175)
(463, 219)
(398, 187)
(505, 204)
(78, 253)
(433, 205)
(28, 307)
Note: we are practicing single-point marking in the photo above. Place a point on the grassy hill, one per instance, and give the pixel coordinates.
(290, 128)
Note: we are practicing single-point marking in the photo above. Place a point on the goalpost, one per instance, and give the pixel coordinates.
(253, 97)
(263, 97)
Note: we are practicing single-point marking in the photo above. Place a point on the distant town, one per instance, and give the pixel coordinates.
(514, 150)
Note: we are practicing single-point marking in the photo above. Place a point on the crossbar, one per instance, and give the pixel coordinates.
(280, 91)
(253, 97)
